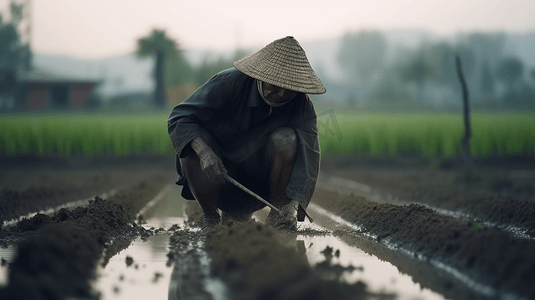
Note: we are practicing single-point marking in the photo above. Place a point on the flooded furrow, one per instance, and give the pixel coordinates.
(143, 267)
(434, 277)
(379, 275)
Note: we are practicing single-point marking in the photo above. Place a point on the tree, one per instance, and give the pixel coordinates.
(417, 70)
(440, 57)
(510, 71)
(488, 46)
(362, 54)
(487, 80)
(15, 58)
(210, 66)
(390, 90)
(160, 46)
(18, 15)
(448, 71)
(10, 47)
(177, 70)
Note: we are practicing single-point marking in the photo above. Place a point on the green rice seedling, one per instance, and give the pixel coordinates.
(84, 134)
(430, 134)
(375, 134)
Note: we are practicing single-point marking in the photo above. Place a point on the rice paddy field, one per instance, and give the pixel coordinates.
(374, 134)
(402, 228)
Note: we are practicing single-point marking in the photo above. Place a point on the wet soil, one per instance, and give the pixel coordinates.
(257, 261)
(30, 184)
(256, 264)
(57, 254)
(487, 254)
(498, 192)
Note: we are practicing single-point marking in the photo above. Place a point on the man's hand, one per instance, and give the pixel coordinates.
(210, 163)
(287, 219)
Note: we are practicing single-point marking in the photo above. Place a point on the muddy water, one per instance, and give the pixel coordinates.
(380, 276)
(146, 278)
(7, 256)
(149, 276)
(139, 269)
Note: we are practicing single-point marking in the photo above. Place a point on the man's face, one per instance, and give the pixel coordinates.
(276, 94)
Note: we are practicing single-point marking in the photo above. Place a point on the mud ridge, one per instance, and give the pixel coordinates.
(485, 254)
(57, 255)
(24, 192)
(502, 211)
(258, 262)
(456, 192)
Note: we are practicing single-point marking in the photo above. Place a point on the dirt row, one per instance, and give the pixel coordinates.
(446, 191)
(57, 255)
(500, 192)
(487, 255)
(29, 184)
(258, 262)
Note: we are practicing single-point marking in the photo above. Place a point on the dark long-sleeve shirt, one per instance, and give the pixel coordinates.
(231, 109)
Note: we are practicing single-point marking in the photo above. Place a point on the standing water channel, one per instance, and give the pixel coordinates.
(141, 270)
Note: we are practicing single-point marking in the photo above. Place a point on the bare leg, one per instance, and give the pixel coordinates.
(282, 151)
(204, 189)
(282, 148)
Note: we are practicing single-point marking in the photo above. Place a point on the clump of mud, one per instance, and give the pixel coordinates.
(55, 264)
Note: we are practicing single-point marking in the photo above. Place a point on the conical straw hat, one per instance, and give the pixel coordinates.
(282, 63)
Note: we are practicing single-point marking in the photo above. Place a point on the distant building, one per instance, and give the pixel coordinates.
(41, 92)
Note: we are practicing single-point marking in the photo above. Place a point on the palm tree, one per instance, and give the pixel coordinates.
(161, 46)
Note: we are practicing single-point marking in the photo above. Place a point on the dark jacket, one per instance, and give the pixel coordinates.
(231, 109)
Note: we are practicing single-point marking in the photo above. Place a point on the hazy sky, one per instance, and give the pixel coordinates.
(99, 28)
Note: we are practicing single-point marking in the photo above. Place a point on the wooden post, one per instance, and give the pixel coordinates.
(465, 141)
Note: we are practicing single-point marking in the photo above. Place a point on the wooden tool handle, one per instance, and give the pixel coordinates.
(248, 191)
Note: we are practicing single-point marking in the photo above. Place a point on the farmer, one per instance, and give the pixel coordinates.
(255, 123)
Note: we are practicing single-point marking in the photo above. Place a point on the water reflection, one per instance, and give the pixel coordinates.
(380, 276)
(191, 277)
(311, 240)
(353, 264)
(6, 256)
(146, 278)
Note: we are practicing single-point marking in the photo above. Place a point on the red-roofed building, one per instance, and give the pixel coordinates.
(39, 92)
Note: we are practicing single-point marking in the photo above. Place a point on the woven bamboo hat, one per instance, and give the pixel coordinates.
(282, 63)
